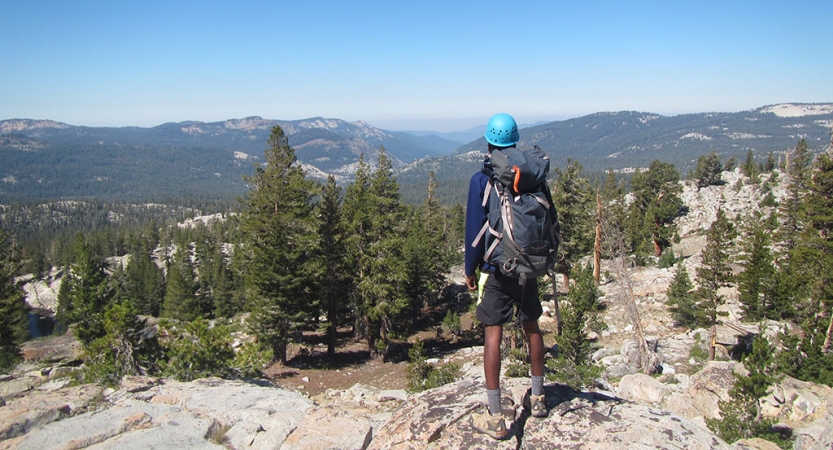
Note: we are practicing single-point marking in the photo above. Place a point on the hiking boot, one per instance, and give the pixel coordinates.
(537, 406)
(494, 426)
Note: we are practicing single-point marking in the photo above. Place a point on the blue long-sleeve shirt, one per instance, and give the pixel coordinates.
(476, 216)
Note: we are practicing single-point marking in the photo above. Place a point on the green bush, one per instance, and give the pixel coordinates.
(740, 417)
(423, 376)
(251, 359)
(698, 353)
(565, 371)
(196, 350)
(517, 366)
(667, 259)
(451, 323)
(123, 350)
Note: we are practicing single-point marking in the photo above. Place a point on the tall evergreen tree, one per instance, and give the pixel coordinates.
(749, 168)
(145, 281)
(714, 273)
(424, 261)
(13, 309)
(181, 301)
(681, 299)
(374, 216)
(222, 288)
(87, 293)
(791, 214)
(656, 204)
(770, 165)
(335, 281)
(817, 251)
(757, 282)
(793, 222)
(279, 230)
(575, 202)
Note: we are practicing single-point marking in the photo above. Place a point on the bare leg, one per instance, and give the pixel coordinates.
(536, 347)
(491, 356)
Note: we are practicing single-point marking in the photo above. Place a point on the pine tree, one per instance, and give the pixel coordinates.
(145, 281)
(708, 171)
(423, 257)
(181, 301)
(714, 273)
(793, 223)
(374, 216)
(279, 229)
(791, 214)
(335, 278)
(817, 251)
(580, 313)
(681, 299)
(769, 166)
(749, 168)
(13, 309)
(757, 281)
(655, 207)
(86, 293)
(575, 202)
(222, 288)
(740, 417)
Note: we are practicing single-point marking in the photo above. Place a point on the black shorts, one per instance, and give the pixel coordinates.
(501, 293)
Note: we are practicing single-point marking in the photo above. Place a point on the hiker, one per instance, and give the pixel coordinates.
(500, 293)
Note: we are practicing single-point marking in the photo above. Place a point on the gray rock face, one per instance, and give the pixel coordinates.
(439, 419)
(24, 414)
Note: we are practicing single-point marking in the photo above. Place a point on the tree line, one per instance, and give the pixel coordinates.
(299, 255)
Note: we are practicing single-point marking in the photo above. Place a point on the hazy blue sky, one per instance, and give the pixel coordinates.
(440, 65)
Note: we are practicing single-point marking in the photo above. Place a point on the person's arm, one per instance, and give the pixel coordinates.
(475, 218)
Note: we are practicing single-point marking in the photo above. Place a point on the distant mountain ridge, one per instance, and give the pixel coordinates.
(250, 134)
(617, 140)
(49, 159)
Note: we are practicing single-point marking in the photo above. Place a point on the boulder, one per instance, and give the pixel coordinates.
(63, 348)
(642, 388)
(711, 385)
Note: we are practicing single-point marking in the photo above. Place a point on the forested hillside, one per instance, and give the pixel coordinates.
(619, 140)
(49, 160)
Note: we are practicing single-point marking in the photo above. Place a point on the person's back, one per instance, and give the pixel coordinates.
(500, 295)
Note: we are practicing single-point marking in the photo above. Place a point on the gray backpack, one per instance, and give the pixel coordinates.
(521, 233)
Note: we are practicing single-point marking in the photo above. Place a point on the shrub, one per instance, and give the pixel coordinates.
(124, 349)
(423, 376)
(251, 359)
(667, 259)
(577, 376)
(517, 366)
(451, 323)
(196, 350)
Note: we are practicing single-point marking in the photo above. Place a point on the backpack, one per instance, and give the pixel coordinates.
(521, 233)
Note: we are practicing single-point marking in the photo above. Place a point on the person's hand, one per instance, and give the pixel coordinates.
(471, 282)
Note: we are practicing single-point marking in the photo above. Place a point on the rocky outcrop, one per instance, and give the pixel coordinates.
(43, 411)
(439, 419)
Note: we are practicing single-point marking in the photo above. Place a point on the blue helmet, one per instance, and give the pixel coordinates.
(502, 131)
